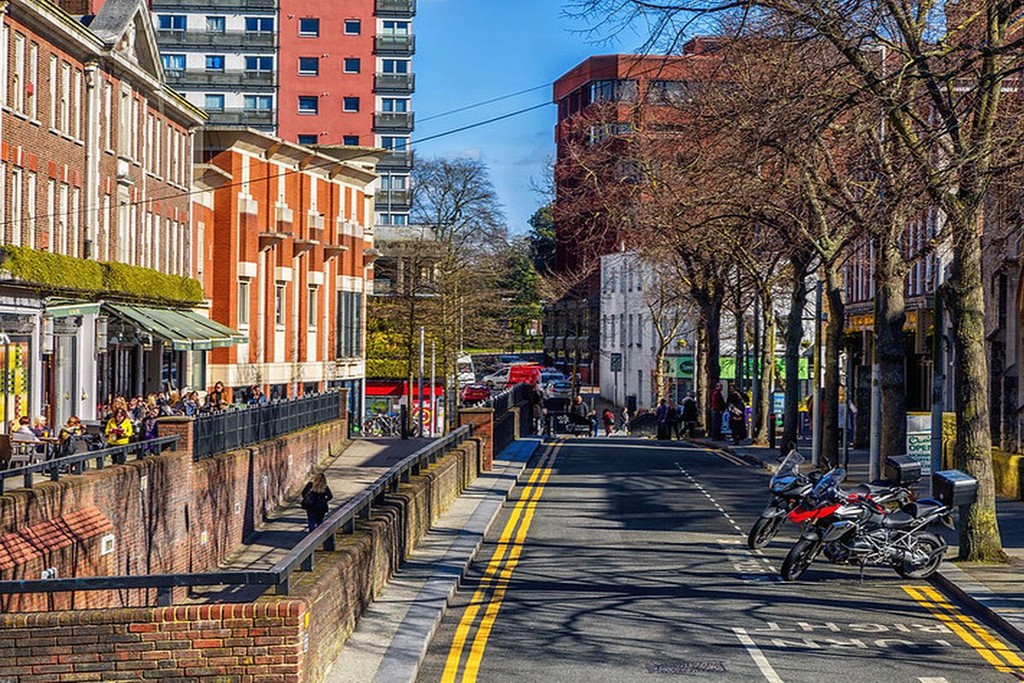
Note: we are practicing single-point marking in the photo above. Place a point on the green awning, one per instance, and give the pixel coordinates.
(184, 330)
(66, 309)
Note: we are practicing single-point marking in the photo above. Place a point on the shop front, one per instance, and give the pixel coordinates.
(69, 345)
(20, 370)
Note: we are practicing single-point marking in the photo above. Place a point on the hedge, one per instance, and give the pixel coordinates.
(59, 273)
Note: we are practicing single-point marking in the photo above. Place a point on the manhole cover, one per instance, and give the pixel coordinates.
(678, 667)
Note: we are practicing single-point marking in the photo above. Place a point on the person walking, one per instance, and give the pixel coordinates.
(662, 413)
(608, 418)
(737, 408)
(689, 414)
(315, 495)
(717, 408)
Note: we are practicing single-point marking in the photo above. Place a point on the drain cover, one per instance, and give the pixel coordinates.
(677, 667)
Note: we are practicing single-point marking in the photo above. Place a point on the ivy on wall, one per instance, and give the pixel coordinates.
(60, 274)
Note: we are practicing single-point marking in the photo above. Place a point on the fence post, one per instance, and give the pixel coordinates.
(181, 427)
(482, 420)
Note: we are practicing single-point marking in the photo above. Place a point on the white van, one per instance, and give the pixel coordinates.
(467, 374)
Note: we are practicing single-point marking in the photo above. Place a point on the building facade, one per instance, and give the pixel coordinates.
(288, 250)
(312, 73)
(98, 259)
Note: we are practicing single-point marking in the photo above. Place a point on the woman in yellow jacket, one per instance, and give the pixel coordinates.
(119, 428)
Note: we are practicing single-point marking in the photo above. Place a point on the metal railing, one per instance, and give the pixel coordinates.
(395, 44)
(301, 557)
(78, 462)
(231, 429)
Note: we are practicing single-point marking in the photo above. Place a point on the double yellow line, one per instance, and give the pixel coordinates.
(491, 592)
(991, 649)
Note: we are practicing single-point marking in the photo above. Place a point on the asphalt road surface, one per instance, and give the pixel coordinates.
(619, 560)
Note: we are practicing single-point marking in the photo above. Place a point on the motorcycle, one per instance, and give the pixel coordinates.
(858, 530)
(790, 490)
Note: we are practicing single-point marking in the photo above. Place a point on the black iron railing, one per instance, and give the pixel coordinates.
(301, 557)
(228, 430)
(79, 462)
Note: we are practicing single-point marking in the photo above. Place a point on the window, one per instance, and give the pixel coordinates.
(311, 308)
(394, 182)
(18, 82)
(394, 105)
(308, 104)
(613, 91)
(173, 62)
(243, 303)
(214, 62)
(309, 139)
(33, 80)
(279, 312)
(259, 24)
(215, 24)
(309, 26)
(256, 63)
(393, 143)
(352, 65)
(258, 102)
(309, 66)
(17, 207)
(65, 93)
(395, 66)
(213, 102)
(53, 91)
(353, 27)
(171, 22)
(349, 340)
(350, 140)
(350, 104)
(395, 28)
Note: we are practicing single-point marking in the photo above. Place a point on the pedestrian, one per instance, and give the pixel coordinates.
(148, 427)
(673, 420)
(688, 414)
(119, 428)
(608, 418)
(315, 495)
(662, 413)
(624, 427)
(737, 408)
(73, 427)
(717, 408)
(215, 398)
(581, 410)
(23, 431)
(256, 396)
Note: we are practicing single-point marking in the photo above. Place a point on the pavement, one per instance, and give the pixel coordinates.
(996, 591)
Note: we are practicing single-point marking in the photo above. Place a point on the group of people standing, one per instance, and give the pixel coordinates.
(677, 421)
(731, 411)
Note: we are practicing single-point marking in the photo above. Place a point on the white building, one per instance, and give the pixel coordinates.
(634, 296)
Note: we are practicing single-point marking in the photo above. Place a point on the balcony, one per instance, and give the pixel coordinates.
(395, 83)
(284, 216)
(399, 46)
(228, 39)
(253, 118)
(400, 9)
(396, 159)
(392, 199)
(393, 121)
(237, 80)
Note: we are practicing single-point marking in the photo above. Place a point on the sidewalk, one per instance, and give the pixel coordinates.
(994, 590)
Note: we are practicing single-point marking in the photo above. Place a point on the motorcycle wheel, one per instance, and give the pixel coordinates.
(799, 558)
(763, 531)
(934, 547)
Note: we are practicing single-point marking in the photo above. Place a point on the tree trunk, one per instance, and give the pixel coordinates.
(979, 529)
(794, 339)
(833, 346)
(890, 348)
(763, 409)
(709, 300)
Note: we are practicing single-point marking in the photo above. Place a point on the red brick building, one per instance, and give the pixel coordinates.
(95, 175)
(287, 235)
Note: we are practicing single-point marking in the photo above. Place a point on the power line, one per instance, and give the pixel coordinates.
(483, 103)
(282, 174)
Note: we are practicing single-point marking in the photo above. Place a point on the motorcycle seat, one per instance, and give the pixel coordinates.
(899, 519)
(922, 508)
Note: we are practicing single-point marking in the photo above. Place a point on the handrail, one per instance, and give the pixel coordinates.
(301, 556)
(76, 462)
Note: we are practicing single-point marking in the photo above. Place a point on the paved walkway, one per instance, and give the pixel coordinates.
(358, 466)
(995, 590)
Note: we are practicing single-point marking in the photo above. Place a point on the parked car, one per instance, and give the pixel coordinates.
(496, 379)
(471, 393)
(547, 376)
(467, 374)
(528, 374)
(558, 389)
(509, 359)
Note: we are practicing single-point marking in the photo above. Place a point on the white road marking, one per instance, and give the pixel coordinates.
(767, 670)
(933, 680)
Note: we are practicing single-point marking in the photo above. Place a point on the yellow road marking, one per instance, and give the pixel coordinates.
(955, 621)
(492, 571)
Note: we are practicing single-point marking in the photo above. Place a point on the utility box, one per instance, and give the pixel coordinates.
(902, 470)
(954, 488)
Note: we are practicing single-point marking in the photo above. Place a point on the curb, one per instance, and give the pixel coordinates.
(977, 596)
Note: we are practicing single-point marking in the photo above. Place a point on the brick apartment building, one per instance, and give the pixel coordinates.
(288, 243)
(315, 73)
(97, 244)
(599, 100)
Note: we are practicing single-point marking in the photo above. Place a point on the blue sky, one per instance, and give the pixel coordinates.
(468, 51)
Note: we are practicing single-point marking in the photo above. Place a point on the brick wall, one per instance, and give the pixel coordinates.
(275, 639)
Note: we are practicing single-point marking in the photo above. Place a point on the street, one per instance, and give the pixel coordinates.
(618, 560)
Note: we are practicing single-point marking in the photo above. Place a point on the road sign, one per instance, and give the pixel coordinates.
(616, 362)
